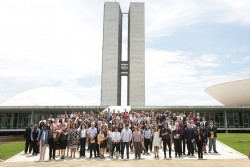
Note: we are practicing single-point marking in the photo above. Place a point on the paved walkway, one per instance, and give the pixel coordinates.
(225, 152)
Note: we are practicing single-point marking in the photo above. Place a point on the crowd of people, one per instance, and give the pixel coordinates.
(110, 132)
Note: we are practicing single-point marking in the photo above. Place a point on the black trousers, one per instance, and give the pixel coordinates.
(35, 147)
(146, 144)
(151, 145)
(183, 150)
(116, 147)
(82, 146)
(165, 143)
(97, 146)
(200, 153)
(92, 146)
(52, 150)
(190, 147)
(177, 146)
(28, 144)
(125, 144)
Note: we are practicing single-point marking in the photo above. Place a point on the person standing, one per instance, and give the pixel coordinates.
(43, 142)
(137, 141)
(103, 140)
(82, 135)
(27, 137)
(212, 137)
(116, 138)
(53, 139)
(156, 141)
(63, 141)
(73, 140)
(166, 138)
(199, 139)
(110, 133)
(126, 136)
(189, 136)
(35, 134)
(147, 134)
(177, 139)
(92, 133)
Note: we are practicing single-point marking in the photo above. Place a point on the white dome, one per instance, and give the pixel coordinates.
(43, 97)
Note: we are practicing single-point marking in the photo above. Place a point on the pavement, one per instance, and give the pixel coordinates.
(226, 157)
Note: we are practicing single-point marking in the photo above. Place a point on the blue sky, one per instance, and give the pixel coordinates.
(190, 45)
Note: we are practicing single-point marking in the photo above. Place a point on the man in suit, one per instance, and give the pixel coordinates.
(189, 136)
(27, 137)
(166, 138)
(212, 136)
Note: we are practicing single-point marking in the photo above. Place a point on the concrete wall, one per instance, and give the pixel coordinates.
(136, 54)
(111, 54)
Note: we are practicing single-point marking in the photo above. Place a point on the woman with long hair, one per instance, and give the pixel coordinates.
(82, 136)
(63, 140)
(156, 141)
(73, 144)
(102, 136)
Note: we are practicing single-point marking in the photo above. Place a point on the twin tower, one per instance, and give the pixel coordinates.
(113, 68)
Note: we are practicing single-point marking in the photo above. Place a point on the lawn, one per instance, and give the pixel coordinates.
(8, 150)
(238, 141)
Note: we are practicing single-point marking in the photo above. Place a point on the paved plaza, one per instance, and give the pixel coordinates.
(226, 157)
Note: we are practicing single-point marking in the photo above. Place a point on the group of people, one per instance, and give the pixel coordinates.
(112, 132)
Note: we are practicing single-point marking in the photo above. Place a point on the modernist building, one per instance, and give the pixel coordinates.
(113, 68)
(235, 115)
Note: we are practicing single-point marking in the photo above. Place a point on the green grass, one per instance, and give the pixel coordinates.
(233, 140)
(8, 150)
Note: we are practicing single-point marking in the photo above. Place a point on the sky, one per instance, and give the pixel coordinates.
(190, 45)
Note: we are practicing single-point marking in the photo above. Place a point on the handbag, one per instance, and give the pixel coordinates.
(204, 149)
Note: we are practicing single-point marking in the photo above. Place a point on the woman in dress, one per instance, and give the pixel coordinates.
(102, 136)
(63, 140)
(68, 127)
(73, 144)
(156, 141)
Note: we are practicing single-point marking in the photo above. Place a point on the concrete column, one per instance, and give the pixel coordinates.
(225, 120)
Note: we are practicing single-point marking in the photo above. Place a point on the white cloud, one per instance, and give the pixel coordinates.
(179, 78)
(166, 17)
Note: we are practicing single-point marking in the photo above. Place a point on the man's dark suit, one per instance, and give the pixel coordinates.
(27, 137)
(189, 136)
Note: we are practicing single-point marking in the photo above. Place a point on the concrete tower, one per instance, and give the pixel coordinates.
(111, 54)
(112, 66)
(136, 55)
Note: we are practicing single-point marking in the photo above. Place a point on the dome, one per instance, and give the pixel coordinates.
(45, 96)
(235, 93)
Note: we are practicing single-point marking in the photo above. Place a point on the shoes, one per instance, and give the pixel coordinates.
(209, 152)
(215, 152)
(170, 156)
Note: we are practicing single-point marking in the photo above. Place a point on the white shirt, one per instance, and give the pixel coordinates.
(92, 132)
(126, 135)
(83, 133)
(116, 136)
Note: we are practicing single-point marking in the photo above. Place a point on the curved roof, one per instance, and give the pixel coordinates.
(234, 93)
(44, 96)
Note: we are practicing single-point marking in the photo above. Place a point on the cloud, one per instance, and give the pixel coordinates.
(59, 44)
(180, 78)
(167, 17)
